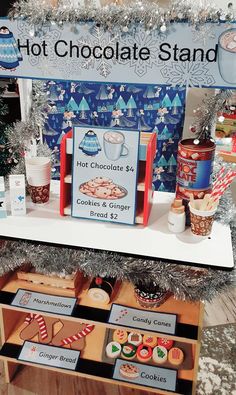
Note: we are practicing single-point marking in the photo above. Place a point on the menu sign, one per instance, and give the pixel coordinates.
(145, 375)
(105, 168)
(142, 319)
(42, 354)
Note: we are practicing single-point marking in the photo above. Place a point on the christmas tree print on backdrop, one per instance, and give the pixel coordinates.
(131, 105)
(102, 93)
(165, 134)
(176, 102)
(53, 91)
(120, 104)
(83, 107)
(171, 164)
(72, 105)
(166, 102)
(162, 162)
(149, 92)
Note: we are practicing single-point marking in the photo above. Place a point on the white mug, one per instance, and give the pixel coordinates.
(227, 55)
(114, 145)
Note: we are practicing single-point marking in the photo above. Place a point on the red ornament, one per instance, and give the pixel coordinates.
(98, 280)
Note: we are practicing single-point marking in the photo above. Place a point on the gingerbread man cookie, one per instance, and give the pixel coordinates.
(36, 324)
(73, 334)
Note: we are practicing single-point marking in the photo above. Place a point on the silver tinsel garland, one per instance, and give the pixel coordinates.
(206, 114)
(119, 17)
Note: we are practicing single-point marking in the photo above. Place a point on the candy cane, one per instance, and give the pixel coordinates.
(70, 339)
(41, 322)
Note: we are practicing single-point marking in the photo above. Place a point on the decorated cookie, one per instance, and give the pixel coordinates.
(167, 343)
(175, 356)
(113, 350)
(128, 351)
(159, 354)
(144, 353)
(150, 340)
(129, 371)
(135, 338)
(120, 336)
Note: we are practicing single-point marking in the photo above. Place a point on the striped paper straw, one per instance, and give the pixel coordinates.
(223, 185)
(219, 177)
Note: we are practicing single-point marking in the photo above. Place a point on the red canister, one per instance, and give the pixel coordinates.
(194, 168)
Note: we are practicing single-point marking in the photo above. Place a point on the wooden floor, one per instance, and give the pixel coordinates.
(34, 381)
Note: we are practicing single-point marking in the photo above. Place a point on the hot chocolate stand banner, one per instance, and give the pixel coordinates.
(185, 56)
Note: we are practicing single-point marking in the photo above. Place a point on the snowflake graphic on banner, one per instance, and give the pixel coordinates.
(203, 33)
(190, 74)
(34, 36)
(99, 38)
(142, 39)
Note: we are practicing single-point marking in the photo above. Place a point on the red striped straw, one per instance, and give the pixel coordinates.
(219, 177)
(223, 185)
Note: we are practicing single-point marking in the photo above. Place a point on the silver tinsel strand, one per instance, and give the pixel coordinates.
(207, 113)
(123, 17)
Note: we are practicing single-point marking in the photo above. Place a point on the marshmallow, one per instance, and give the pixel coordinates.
(231, 45)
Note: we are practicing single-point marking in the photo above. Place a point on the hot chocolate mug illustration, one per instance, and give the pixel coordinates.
(114, 145)
(227, 56)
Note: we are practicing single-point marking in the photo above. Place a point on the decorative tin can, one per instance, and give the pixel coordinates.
(194, 170)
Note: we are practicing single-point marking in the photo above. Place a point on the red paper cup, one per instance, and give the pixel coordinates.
(201, 221)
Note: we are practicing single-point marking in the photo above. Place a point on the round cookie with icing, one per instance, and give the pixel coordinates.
(128, 351)
(159, 354)
(113, 350)
(120, 336)
(164, 342)
(150, 341)
(135, 338)
(144, 353)
(175, 356)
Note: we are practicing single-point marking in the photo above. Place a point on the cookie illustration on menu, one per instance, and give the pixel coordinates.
(129, 371)
(159, 355)
(113, 350)
(103, 188)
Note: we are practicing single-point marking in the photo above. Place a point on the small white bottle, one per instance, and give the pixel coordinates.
(177, 217)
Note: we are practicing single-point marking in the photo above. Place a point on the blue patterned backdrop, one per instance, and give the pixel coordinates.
(146, 107)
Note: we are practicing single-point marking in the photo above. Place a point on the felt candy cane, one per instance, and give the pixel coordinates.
(70, 339)
(41, 323)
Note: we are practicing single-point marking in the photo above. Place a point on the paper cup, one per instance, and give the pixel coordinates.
(39, 194)
(201, 221)
(38, 174)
